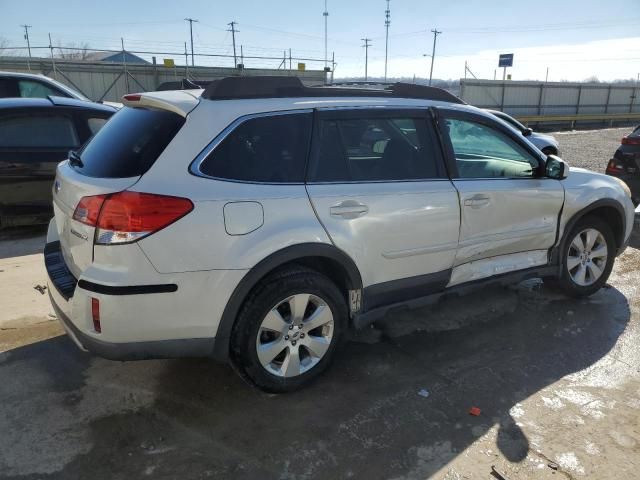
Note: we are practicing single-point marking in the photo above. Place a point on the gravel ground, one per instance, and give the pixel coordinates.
(590, 149)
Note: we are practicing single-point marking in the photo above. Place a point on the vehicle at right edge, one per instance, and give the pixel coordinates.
(258, 220)
(625, 163)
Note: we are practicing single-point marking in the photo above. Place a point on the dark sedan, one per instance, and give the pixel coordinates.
(35, 135)
(625, 163)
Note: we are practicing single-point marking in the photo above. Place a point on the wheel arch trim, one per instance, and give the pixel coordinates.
(580, 214)
(264, 267)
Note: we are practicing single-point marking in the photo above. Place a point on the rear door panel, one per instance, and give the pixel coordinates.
(396, 229)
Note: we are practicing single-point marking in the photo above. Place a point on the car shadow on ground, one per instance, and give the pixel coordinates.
(364, 418)
(19, 241)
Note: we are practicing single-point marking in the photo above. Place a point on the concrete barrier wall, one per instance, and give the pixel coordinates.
(110, 81)
(551, 98)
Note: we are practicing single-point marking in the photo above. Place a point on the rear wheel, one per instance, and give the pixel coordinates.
(588, 257)
(288, 330)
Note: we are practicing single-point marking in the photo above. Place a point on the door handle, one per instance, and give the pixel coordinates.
(348, 209)
(477, 201)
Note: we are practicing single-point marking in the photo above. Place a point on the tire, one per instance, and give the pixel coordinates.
(268, 322)
(571, 279)
(549, 151)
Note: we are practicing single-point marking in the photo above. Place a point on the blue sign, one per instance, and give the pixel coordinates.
(506, 60)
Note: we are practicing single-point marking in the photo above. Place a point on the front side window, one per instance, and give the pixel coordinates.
(37, 130)
(485, 152)
(373, 149)
(31, 89)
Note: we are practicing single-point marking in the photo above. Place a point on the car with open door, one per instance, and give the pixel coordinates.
(35, 135)
(257, 220)
(625, 163)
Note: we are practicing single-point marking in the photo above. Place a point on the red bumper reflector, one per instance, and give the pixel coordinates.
(95, 314)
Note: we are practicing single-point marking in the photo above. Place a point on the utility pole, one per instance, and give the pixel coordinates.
(233, 36)
(387, 22)
(326, 16)
(191, 20)
(433, 53)
(26, 36)
(53, 62)
(367, 44)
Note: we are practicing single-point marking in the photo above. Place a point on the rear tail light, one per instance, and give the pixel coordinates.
(630, 141)
(622, 165)
(125, 217)
(132, 97)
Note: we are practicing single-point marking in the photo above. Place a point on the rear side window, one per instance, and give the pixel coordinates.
(95, 124)
(269, 149)
(32, 89)
(37, 130)
(373, 150)
(129, 143)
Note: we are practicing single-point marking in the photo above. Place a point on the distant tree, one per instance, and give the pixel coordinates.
(591, 79)
(73, 51)
(4, 43)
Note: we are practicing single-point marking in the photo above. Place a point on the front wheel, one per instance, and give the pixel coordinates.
(588, 257)
(288, 330)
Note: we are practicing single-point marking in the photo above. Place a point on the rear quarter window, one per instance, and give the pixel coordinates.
(37, 130)
(129, 143)
(267, 149)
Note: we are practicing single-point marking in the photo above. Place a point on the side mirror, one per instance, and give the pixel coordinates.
(556, 168)
(527, 132)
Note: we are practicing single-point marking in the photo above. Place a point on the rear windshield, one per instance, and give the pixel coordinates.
(129, 144)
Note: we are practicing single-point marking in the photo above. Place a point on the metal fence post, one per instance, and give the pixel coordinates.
(606, 105)
(124, 63)
(579, 97)
(540, 96)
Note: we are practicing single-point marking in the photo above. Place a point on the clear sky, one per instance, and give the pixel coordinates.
(575, 39)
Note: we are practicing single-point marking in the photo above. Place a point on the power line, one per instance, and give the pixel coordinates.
(191, 20)
(367, 44)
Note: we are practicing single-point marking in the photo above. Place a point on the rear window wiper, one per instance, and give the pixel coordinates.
(74, 159)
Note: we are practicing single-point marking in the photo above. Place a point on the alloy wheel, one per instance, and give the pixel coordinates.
(295, 335)
(587, 257)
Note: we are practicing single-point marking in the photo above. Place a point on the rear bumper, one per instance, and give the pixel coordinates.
(191, 347)
(165, 316)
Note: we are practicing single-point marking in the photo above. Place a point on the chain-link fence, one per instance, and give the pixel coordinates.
(107, 74)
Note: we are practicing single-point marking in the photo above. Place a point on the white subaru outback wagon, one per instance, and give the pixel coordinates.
(257, 220)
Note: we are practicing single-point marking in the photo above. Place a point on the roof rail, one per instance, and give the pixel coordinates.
(230, 88)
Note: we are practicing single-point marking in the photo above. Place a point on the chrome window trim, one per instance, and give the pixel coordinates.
(194, 168)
